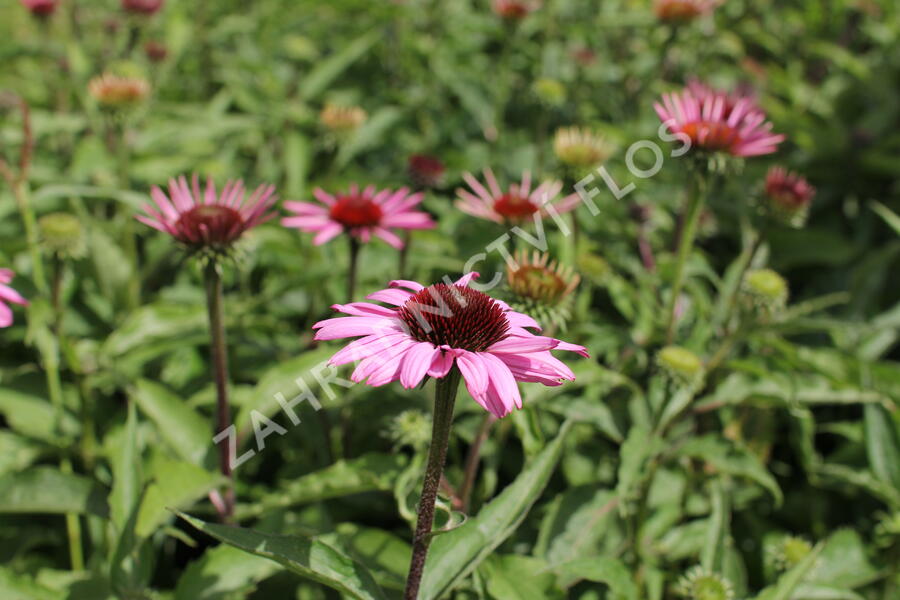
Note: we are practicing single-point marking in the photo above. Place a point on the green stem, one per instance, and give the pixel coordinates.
(685, 246)
(444, 398)
(21, 193)
(73, 529)
(219, 355)
(354, 264)
(472, 461)
(404, 253)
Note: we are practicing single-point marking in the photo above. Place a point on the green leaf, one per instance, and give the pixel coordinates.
(882, 444)
(125, 463)
(372, 133)
(308, 557)
(222, 573)
(715, 542)
(889, 216)
(16, 452)
(175, 485)
(843, 562)
(33, 416)
(186, 432)
(371, 472)
(48, 490)
(383, 553)
(602, 569)
(784, 588)
(20, 587)
(514, 577)
(329, 69)
(575, 523)
(726, 457)
(457, 553)
(639, 447)
(155, 328)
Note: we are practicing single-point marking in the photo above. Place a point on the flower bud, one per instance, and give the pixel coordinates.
(788, 197)
(680, 364)
(765, 291)
(700, 584)
(62, 235)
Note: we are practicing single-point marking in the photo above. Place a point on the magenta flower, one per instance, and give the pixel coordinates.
(789, 196)
(7, 294)
(718, 121)
(203, 219)
(426, 330)
(518, 204)
(40, 8)
(359, 213)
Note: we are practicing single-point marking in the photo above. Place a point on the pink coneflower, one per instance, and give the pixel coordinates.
(7, 294)
(40, 8)
(155, 51)
(145, 7)
(425, 171)
(519, 203)
(718, 121)
(682, 11)
(789, 195)
(426, 331)
(201, 219)
(361, 213)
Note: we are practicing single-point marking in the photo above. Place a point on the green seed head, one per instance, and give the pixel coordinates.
(62, 235)
(765, 291)
(700, 584)
(679, 363)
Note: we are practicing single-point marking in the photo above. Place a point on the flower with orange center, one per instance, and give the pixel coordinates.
(517, 204)
(40, 8)
(112, 91)
(342, 119)
(716, 121)
(203, 220)
(682, 11)
(789, 196)
(361, 213)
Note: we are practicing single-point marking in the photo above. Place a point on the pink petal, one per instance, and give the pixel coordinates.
(416, 363)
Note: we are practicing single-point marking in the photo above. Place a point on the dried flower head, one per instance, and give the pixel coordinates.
(580, 148)
(788, 196)
(541, 287)
(115, 92)
(142, 7)
(342, 119)
(41, 8)
(203, 220)
(62, 235)
(682, 11)
(425, 171)
(515, 10)
(700, 584)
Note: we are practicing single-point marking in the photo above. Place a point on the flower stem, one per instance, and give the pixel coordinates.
(472, 461)
(21, 193)
(444, 399)
(685, 245)
(354, 263)
(214, 295)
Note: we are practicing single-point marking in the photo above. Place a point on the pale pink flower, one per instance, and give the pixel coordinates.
(515, 205)
(7, 294)
(717, 121)
(425, 331)
(359, 213)
(202, 219)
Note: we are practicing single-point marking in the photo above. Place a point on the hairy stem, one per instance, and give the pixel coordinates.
(219, 354)
(444, 399)
(352, 271)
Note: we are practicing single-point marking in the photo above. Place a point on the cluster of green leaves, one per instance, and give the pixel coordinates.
(776, 466)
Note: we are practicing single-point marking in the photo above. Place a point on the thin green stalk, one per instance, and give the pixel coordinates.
(354, 265)
(73, 529)
(472, 461)
(685, 246)
(444, 399)
(219, 356)
(21, 193)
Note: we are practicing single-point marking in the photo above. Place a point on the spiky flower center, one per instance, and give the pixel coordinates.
(211, 223)
(455, 316)
(788, 191)
(712, 135)
(515, 207)
(537, 283)
(355, 210)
